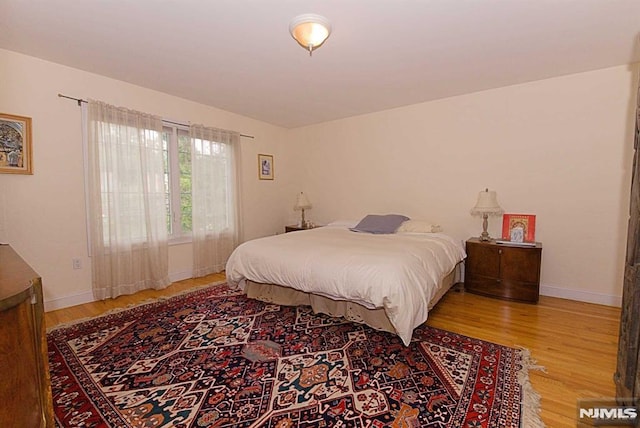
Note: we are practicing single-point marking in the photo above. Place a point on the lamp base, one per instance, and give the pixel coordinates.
(303, 222)
(484, 236)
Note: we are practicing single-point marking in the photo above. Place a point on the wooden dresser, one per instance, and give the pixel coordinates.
(503, 271)
(25, 388)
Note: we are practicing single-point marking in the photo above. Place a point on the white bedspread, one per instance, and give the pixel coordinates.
(398, 272)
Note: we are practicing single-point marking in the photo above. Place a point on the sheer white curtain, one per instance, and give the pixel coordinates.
(215, 203)
(126, 191)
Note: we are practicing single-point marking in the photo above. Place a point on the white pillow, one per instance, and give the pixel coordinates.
(419, 226)
(343, 223)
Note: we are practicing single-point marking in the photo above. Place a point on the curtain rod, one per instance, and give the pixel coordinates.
(80, 101)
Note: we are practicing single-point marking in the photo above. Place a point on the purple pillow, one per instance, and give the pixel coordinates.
(373, 223)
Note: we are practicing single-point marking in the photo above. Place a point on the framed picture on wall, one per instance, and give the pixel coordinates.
(15, 144)
(265, 167)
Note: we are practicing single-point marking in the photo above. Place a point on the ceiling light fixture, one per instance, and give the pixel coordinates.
(310, 30)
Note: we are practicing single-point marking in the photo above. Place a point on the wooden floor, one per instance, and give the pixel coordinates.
(575, 342)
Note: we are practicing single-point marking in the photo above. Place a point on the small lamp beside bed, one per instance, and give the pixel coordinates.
(487, 205)
(302, 203)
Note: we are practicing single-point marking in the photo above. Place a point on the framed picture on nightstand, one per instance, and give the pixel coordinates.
(519, 228)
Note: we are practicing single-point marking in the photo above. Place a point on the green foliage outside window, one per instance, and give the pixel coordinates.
(184, 160)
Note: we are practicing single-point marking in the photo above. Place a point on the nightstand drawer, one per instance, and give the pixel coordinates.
(505, 289)
(521, 265)
(483, 260)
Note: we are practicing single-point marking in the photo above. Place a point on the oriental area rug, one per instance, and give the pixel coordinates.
(214, 358)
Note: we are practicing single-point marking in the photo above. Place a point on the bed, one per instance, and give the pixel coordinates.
(389, 281)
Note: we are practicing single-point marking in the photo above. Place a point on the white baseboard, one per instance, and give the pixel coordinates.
(68, 301)
(581, 296)
(179, 276)
(545, 290)
(87, 296)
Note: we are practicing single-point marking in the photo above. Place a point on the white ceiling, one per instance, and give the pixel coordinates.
(237, 55)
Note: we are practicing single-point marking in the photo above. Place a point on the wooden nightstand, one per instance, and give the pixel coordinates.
(293, 228)
(504, 271)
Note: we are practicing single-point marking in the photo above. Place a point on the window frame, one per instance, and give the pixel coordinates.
(173, 171)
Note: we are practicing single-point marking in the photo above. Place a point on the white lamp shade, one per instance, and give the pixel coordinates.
(302, 203)
(310, 30)
(487, 204)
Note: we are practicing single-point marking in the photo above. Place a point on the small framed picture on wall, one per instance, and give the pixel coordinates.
(15, 144)
(265, 167)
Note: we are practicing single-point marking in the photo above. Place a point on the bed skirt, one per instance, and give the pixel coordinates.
(376, 318)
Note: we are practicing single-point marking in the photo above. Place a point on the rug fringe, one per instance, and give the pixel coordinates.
(530, 398)
(133, 305)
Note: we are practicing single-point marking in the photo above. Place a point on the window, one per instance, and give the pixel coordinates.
(151, 181)
(216, 196)
(177, 160)
(127, 191)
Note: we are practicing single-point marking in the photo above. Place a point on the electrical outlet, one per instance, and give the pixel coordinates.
(77, 263)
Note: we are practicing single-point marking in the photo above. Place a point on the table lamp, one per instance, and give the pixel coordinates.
(487, 205)
(302, 203)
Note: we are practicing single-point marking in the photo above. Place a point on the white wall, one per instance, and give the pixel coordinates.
(43, 215)
(559, 148)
